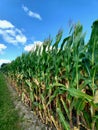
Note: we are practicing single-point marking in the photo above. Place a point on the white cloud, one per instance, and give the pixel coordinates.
(35, 15)
(2, 47)
(4, 61)
(11, 34)
(28, 47)
(25, 8)
(32, 47)
(31, 14)
(5, 24)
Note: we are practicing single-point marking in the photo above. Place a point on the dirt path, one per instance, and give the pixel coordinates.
(29, 120)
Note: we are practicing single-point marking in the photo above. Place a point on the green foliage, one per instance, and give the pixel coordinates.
(66, 70)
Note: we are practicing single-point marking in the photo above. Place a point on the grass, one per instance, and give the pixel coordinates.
(9, 119)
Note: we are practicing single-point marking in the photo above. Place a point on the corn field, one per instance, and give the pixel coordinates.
(59, 80)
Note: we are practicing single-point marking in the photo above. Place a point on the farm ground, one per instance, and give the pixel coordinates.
(14, 115)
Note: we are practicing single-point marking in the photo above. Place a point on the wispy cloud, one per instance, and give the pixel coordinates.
(2, 47)
(4, 61)
(32, 47)
(31, 13)
(11, 34)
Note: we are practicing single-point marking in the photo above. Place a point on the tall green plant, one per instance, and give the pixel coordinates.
(59, 79)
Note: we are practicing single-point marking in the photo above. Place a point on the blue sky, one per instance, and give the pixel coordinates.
(25, 23)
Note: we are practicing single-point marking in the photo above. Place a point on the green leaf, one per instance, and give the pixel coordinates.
(65, 108)
(78, 94)
(31, 96)
(28, 83)
(87, 118)
(56, 92)
(62, 120)
(80, 104)
(95, 118)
